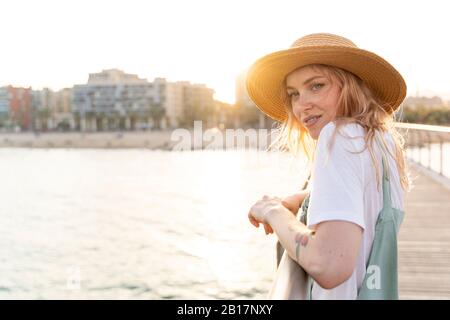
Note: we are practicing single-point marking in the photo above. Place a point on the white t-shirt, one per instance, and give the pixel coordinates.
(344, 187)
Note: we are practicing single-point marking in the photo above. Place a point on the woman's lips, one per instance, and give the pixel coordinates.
(311, 123)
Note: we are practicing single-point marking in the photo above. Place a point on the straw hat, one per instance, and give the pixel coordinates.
(266, 76)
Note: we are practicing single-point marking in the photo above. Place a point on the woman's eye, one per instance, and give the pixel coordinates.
(292, 94)
(317, 86)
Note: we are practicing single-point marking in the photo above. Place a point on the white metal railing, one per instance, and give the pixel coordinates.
(421, 138)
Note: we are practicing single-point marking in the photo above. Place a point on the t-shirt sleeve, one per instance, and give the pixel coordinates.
(337, 191)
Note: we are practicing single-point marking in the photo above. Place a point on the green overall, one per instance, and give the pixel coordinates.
(380, 281)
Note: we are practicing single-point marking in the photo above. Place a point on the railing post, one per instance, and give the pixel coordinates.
(407, 144)
(441, 151)
(416, 151)
(419, 149)
(429, 150)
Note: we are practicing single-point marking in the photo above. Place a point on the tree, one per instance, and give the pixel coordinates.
(157, 112)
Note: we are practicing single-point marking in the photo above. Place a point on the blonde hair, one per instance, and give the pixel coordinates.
(356, 104)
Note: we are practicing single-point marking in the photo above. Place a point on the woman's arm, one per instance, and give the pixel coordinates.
(327, 253)
(293, 202)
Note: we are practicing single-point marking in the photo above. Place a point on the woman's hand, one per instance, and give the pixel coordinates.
(261, 208)
(294, 201)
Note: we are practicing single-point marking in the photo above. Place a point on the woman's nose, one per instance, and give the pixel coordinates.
(302, 104)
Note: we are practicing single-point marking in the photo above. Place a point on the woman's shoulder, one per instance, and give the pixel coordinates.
(344, 130)
(344, 141)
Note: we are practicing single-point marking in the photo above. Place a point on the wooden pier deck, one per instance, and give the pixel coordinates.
(424, 241)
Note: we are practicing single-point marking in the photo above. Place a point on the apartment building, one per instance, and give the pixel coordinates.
(15, 107)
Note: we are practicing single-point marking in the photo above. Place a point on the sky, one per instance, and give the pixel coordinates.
(57, 43)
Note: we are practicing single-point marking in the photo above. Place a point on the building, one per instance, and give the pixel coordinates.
(15, 107)
(113, 99)
(42, 102)
(174, 103)
(114, 76)
(248, 114)
(4, 107)
(198, 103)
(52, 109)
(186, 102)
(110, 100)
(4, 101)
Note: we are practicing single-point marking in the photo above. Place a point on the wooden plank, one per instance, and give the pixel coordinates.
(424, 241)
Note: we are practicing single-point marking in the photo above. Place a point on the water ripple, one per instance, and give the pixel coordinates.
(96, 225)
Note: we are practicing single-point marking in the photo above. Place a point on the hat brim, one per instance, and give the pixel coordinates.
(266, 76)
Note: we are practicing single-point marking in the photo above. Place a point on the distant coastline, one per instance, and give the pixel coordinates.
(184, 139)
(99, 140)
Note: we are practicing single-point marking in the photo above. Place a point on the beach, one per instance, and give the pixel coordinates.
(176, 139)
(98, 140)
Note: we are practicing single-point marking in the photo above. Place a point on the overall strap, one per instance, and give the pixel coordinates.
(387, 201)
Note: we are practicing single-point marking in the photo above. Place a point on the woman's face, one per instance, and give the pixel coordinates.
(312, 94)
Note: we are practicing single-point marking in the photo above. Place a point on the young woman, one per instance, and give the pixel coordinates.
(336, 103)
